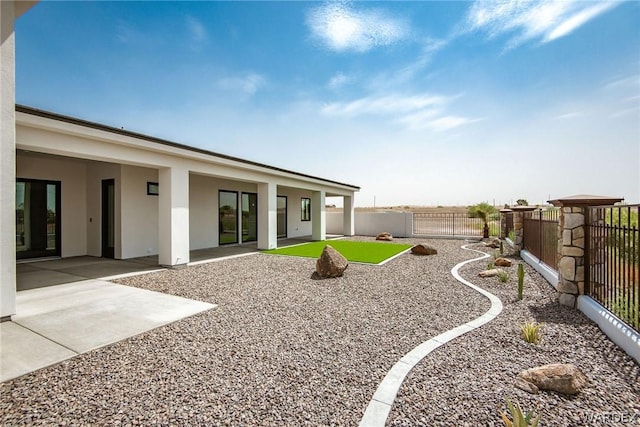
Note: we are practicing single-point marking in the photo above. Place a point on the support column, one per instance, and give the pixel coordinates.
(518, 226)
(267, 216)
(318, 216)
(174, 216)
(572, 234)
(506, 222)
(348, 216)
(7, 162)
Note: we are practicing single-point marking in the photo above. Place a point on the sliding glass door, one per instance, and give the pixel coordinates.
(37, 218)
(228, 217)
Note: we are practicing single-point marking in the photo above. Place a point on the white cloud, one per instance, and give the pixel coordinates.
(338, 81)
(569, 115)
(390, 104)
(248, 84)
(197, 31)
(417, 112)
(543, 20)
(339, 27)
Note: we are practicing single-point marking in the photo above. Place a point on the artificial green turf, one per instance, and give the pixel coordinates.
(366, 252)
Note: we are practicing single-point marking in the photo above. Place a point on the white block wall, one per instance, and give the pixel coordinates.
(399, 224)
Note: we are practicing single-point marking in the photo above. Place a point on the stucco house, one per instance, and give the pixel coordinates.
(70, 187)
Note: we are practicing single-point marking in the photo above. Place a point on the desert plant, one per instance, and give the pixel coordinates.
(519, 419)
(501, 248)
(483, 211)
(503, 276)
(531, 331)
(520, 280)
(490, 266)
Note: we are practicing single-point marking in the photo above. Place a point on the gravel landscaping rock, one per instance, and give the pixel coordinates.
(283, 349)
(466, 382)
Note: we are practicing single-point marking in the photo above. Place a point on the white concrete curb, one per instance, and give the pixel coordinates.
(380, 405)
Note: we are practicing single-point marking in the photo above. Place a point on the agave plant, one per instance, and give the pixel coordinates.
(518, 418)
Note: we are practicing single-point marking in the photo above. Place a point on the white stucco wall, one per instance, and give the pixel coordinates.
(7, 161)
(295, 226)
(399, 224)
(72, 174)
(139, 212)
(203, 207)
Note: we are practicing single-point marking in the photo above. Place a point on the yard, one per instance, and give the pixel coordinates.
(283, 349)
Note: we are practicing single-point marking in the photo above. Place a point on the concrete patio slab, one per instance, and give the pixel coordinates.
(42, 278)
(106, 268)
(62, 321)
(25, 351)
(62, 263)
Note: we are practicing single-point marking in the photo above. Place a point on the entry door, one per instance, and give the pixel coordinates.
(37, 218)
(108, 218)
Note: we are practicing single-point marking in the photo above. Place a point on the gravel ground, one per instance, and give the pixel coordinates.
(282, 349)
(466, 382)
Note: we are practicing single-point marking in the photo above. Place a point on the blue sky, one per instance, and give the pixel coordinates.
(418, 103)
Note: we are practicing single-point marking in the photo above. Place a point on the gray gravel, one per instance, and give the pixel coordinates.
(283, 349)
(466, 382)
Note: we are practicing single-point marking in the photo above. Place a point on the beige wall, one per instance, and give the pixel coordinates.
(203, 207)
(139, 213)
(295, 226)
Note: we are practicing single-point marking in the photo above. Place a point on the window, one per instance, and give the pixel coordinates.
(306, 209)
(152, 188)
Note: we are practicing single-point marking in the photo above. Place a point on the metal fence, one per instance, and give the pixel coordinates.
(612, 271)
(452, 224)
(540, 236)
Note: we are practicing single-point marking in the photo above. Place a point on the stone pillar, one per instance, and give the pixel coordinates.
(518, 226)
(571, 254)
(572, 237)
(504, 220)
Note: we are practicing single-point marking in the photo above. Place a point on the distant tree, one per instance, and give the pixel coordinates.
(522, 202)
(483, 211)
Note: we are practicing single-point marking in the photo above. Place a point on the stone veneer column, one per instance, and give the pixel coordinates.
(571, 254)
(518, 226)
(572, 235)
(504, 213)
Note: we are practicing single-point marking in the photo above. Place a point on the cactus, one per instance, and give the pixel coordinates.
(520, 280)
(501, 248)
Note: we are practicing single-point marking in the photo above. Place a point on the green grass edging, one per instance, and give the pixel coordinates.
(365, 252)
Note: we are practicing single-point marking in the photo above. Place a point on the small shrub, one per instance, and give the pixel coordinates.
(531, 331)
(512, 235)
(519, 419)
(490, 266)
(503, 276)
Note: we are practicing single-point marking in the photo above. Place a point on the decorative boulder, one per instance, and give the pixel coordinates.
(502, 262)
(562, 378)
(493, 243)
(385, 236)
(423, 249)
(490, 273)
(330, 264)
